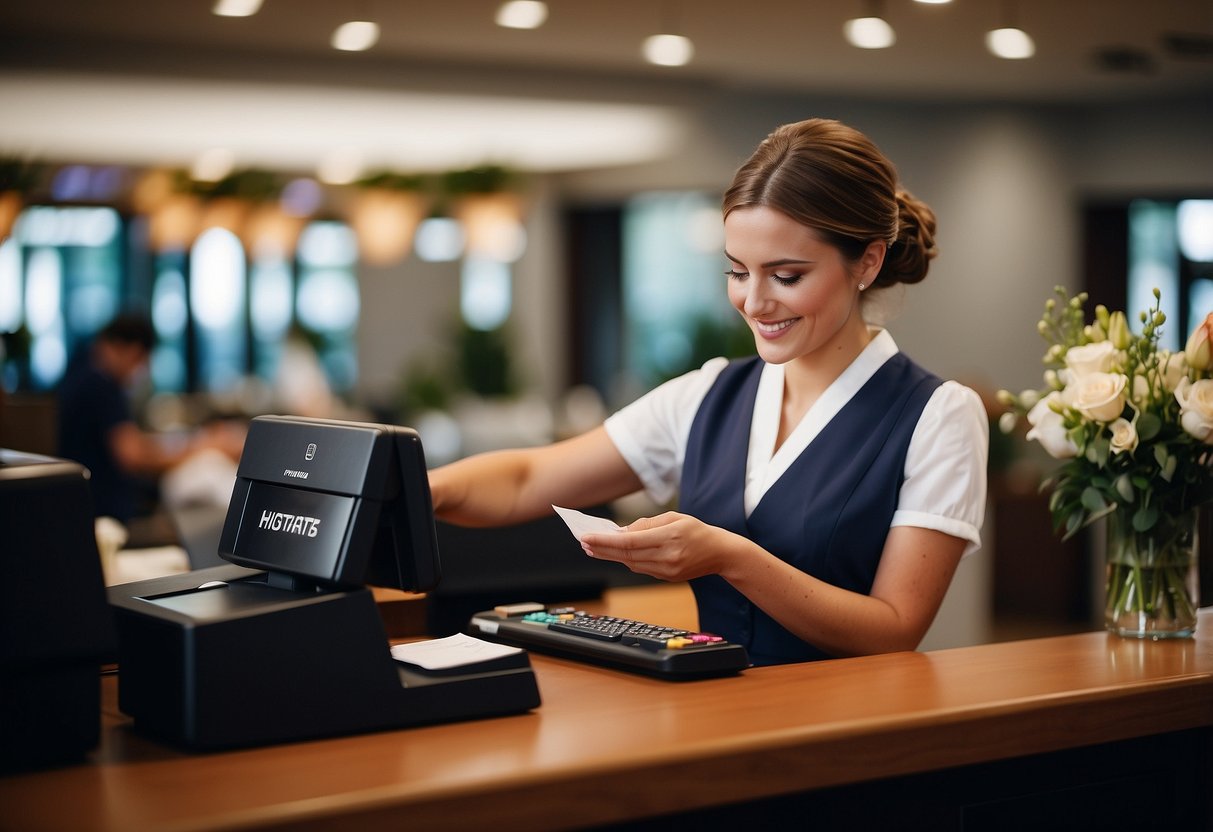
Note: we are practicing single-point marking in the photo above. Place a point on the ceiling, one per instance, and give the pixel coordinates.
(1086, 50)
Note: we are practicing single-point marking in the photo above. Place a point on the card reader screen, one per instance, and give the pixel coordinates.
(295, 531)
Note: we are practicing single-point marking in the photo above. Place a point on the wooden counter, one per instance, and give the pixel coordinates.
(607, 747)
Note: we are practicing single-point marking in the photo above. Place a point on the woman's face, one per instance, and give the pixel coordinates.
(798, 294)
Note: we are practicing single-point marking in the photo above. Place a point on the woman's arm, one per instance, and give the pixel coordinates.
(505, 487)
(914, 573)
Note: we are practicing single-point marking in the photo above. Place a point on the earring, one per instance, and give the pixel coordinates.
(862, 287)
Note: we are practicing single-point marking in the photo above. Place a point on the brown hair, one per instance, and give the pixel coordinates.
(833, 179)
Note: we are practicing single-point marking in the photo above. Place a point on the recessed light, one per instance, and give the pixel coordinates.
(668, 50)
(869, 33)
(356, 36)
(236, 8)
(522, 14)
(1010, 43)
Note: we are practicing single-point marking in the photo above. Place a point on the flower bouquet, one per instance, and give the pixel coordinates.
(1134, 424)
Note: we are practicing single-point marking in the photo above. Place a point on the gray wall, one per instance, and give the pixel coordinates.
(1006, 182)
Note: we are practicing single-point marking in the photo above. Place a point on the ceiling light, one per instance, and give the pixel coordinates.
(356, 36)
(934, 2)
(522, 14)
(236, 8)
(869, 33)
(668, 50)
(1010, 43)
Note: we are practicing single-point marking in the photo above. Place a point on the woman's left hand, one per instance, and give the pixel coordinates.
(670, 546)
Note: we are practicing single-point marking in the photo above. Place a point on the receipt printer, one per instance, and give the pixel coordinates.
(55, 627)
(287, 643)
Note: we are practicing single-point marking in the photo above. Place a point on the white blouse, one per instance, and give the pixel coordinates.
(945, 474)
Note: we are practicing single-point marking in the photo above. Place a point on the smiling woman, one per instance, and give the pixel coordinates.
(829, 486)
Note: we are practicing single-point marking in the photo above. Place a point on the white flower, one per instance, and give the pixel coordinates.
(1098, 396)
(1090, 358)
(1124, 436)
(1196, 408)
(1174, 368)
(1048, 428)
(1140, 390)
(1029, 398)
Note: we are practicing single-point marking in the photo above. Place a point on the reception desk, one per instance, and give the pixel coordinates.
(989, 737)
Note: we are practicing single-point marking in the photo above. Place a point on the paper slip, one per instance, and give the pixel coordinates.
(452, 651)
(581, 524)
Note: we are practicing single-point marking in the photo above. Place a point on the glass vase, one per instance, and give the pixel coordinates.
(1152, 577)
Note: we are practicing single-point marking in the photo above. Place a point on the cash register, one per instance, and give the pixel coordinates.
(284, 641)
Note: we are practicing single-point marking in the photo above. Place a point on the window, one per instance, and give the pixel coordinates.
(1171, 248)
(219, 316)
(675, 301)
(60, 281)
(170, 317)
(327, 301)
(218, 306)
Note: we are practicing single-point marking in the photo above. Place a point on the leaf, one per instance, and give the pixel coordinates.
(1092, 500)
(1145, 518)
(1103, 447)
(1073, 524)
(1160, 455)
(1168, 469)
(1148, 426)
(1124, 487)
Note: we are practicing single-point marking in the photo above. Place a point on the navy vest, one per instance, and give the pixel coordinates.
(828, 514)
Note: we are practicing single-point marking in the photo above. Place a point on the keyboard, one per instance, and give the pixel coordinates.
(621, 643)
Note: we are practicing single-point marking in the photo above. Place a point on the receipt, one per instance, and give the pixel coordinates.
(453, 651)
(581, 524)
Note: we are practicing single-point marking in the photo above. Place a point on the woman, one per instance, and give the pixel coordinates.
(828, 486)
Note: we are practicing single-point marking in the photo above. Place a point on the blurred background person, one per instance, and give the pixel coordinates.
(97, 427)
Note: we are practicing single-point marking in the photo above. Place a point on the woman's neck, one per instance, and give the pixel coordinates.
(807, 377)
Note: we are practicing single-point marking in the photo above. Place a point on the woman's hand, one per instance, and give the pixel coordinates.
(671, 546)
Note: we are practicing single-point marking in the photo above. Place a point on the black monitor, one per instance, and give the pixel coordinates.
(340, 504)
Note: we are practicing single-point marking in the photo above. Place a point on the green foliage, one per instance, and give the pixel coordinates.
(483, 361)
(19, 175)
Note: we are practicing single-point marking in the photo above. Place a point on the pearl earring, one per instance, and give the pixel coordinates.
(862, 287)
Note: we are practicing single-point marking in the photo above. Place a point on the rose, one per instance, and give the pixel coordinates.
(1199, 351)
(1090, 358)
(1196, 408)
(1098, 396)
(1049, 429)
(1124, 436)
(1173, 369)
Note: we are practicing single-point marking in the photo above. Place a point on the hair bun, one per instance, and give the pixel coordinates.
(909, 257)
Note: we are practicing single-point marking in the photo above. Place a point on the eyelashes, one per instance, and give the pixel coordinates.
(781, 279)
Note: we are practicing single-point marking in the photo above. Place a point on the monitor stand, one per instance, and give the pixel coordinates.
(229, 656)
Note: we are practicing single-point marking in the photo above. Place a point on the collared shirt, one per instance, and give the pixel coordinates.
(945, 472)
